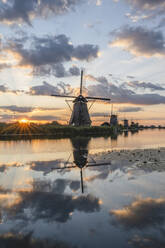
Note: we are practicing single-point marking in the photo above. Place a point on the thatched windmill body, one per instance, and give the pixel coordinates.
(80, 114)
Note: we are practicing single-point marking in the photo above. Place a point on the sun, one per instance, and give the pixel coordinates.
(23, 121)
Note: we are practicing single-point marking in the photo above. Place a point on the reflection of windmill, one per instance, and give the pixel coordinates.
(80, 115)
(80, 155)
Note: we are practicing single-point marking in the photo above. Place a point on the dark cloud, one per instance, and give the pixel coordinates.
(44, 89)
(142, 213)
(4, 66)
(47, 54)
(14, 240)
(100, 114)
(17, 109)
(147, 241)
(147, 4)
(58, 70)
(130, 109)
(3, 88)
(144, 85)
(5, 167)
(130, 77)
(146, 9)
(139, 41)
(74, 71)
(122, 94)
(43, 118)
(59, 209)
(46, 166)
(48, 89)
(18, 11)
(74, 185)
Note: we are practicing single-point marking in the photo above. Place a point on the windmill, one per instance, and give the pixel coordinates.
(80, 113)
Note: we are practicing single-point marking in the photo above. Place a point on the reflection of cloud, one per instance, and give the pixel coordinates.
(51, 206)
(27, 241)
(4, 167)
(141, 213)
(139, 41)
(46, 166)
(46, 200)
(147, 242)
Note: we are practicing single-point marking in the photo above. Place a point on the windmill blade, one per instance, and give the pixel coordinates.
(64, 96)
(82, 182)
(99, 164)
(98, 98)
(65, 167)
(81, 82)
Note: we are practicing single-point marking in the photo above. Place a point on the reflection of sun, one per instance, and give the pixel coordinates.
(24, 121)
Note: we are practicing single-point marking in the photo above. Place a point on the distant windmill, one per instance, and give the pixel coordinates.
(80, 114)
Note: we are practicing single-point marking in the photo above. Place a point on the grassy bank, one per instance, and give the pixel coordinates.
(28, 131)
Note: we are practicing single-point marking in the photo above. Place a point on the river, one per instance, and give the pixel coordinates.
(53, 190)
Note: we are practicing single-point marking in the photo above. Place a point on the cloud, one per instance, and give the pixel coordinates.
(74, 70)
(3, 88)
(48, 89)
(139, 41)
(44, 89)
(60, 209)
(147, 4)
(142, 213)
(17, 109)
(147, 241)
(144, 85)
(43, 118)
(14, 240)
(46, 55)
(122, 94)
(130, 109)
(4, 66)
(100, 114)
(145, 9)
(46, 166)
(18, 11)
(25, 109)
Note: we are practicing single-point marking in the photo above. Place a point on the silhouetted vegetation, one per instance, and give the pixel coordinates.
(50, 130)
(54, 130)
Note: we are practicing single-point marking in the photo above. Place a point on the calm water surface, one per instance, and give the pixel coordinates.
(46, 191)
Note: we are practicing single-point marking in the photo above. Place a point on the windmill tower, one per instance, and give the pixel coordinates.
(80, 114)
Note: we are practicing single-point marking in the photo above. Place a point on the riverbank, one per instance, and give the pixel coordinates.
(49, 131)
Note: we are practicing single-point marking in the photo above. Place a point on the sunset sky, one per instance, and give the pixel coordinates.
(120, 44)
